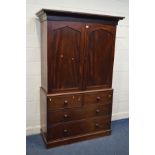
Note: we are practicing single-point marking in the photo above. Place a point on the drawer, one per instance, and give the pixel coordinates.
(64, 101)
(66, 115)
(101, 97)
(79, 127)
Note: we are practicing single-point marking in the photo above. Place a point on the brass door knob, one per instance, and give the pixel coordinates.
(61, 56)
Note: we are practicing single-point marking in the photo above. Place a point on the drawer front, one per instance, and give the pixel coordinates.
(102, 97)
(66, 115)
(64, 101)
(79, 127)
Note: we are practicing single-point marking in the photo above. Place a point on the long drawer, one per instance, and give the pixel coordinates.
(79, 127)
(65, 115)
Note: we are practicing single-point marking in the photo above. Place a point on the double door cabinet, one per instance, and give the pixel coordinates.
(77, 54)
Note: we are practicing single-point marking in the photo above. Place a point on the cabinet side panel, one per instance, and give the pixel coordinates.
(43, 111)
(110, 75)
(44, 55)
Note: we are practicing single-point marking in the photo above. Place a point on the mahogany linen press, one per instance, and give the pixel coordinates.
(77, 54)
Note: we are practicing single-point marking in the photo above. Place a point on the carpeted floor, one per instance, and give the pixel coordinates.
(116, 144)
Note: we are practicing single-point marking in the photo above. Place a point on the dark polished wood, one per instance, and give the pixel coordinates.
(66, 115)
(77, 54)
(65, 46)
(99, 55)
(43, 111)
(59, 15)
(98, 97)
(64, 101)
(44, 69)
(72, 139)
(74, 128)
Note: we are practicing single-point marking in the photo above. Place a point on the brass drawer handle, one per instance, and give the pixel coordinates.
(65, 102)
(97, 111)
(98, 98)
(65, 116)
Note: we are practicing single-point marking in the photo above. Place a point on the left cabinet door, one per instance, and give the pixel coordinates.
(65, 49)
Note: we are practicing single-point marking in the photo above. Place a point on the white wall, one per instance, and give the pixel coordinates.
(33, 77)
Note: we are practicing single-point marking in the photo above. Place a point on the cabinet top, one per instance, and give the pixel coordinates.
(46, 14)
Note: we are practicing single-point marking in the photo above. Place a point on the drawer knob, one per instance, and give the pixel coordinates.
(97, 111)
(65, 102)
(98, 98)
(109, 95)
(50, 99)
(97, 125)
(87, 26)
(79, 99)
(66, 132)
(65, 116)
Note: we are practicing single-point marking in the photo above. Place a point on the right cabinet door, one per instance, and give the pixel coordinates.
(99, 55)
